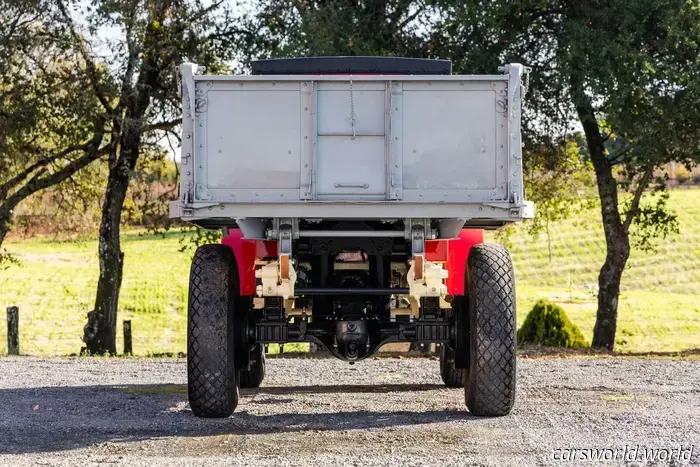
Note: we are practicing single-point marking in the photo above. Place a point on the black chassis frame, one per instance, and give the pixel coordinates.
(350, 339)
(338, 320)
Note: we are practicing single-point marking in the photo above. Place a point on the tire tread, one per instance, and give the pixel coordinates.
(253, 377)
(211, 379)
(452, 376)
(490, 388)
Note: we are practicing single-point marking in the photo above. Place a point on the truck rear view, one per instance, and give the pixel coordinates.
(353, 193)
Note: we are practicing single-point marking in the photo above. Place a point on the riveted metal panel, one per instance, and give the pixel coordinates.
(432, 147)
(249, 139)
(451, 148)
(351, 146)
(515, 155)
(336, 100)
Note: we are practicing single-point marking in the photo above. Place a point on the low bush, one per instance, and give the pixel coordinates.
(547, 324)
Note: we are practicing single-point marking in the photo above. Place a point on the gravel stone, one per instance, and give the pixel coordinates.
(321, 411)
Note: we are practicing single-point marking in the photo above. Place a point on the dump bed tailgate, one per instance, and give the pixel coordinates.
(352, 146)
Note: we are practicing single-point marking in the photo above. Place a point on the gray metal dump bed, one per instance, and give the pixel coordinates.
(352, 147)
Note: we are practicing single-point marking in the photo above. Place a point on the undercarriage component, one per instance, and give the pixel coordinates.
(427, 282)
(341, 291)
(452, 376)
(428, 332)
(278, 278)
(354, 340)
(253, 376)
(425, 279)
(271, 332)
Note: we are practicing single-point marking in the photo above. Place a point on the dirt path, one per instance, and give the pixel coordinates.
(325, 412)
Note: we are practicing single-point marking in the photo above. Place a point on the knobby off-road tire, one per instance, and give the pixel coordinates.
(253, 377)
(211, 375)
(490, 287)
(452, 376)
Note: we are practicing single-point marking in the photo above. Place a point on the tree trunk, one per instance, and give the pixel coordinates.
(616, 234)
(101, 329)
(5, 218)
(100, 332)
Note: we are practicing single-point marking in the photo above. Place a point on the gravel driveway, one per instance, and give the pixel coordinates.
(320, 412)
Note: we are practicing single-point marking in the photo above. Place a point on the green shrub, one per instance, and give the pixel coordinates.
(547, 324)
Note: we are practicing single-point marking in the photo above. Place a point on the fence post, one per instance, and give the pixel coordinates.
(12, 330)
(128, 349)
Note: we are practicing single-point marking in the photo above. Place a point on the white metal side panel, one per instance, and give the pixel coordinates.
(249, 143)
(453, 142)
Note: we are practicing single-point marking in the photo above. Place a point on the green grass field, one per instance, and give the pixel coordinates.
(659, 307)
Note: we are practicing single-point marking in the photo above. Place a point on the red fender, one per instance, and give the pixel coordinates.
(454, 254)
(246, 251)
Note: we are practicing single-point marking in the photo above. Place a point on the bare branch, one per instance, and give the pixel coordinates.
(174, 151)
(205, 11)
(419, 11)
(175, 135)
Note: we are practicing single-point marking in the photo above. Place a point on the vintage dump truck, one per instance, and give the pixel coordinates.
(353, 193)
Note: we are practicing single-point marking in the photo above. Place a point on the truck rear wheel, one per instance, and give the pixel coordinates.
(253, 377)
(452, 376)
(490, 287)
(211, 377)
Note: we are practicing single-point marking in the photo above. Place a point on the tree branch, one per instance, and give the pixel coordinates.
(205, 11)
(126, 89)
(615, 158)
(17, 179)
(37, 182)
(398, 27)
(174, 135)
(641, 186)
(165, 126)
(89, 62)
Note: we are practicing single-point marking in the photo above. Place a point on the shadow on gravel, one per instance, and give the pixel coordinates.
(353, 388)
(36, 420)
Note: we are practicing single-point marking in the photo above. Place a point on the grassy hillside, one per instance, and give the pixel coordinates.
(660, 301)
(659, 306)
